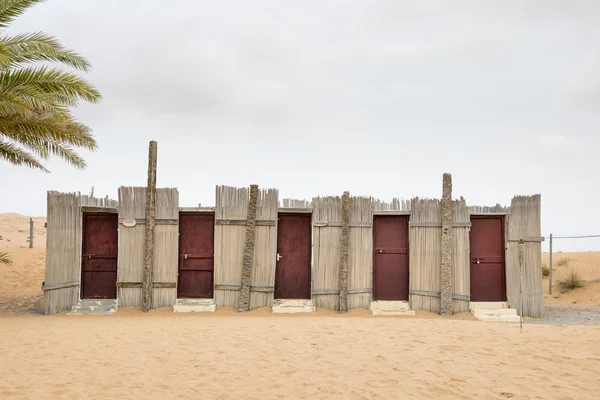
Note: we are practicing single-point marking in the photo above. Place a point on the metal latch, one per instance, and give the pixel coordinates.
(279, 257)
(185, 256)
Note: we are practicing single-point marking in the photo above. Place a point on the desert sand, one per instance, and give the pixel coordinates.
(587, 264)
(259, 355)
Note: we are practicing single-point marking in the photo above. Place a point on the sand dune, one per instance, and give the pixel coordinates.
(587, 264)
(14, 231)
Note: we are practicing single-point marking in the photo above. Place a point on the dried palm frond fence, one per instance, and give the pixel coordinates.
(342, 248)
(63, 246)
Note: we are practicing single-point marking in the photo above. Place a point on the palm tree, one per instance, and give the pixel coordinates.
(35, 120)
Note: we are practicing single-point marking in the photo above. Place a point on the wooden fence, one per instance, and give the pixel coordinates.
(461, 261)
(360, 260)
(265, 248)
(63, 264)
(524, 222)
(327, 235)
(131, 247)
(425, 257)
(63, 247)
(231, 212)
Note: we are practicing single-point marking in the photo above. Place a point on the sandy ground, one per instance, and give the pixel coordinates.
(14, 231)
(587, 264)
(259, 355)
(161, 355)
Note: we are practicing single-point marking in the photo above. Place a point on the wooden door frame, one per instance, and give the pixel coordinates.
(403, 215)
(504, 220)
(84, 211)
(308, 212)
(195, 211)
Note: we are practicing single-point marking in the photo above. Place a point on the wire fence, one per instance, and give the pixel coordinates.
(551, 239)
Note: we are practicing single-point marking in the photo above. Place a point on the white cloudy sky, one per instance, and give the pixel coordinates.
(317, 97)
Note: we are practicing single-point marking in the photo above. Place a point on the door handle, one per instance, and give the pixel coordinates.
(90, 256)
(279, 257)
(185, 256)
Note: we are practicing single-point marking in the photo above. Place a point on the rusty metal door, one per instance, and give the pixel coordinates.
(196, 255)
(292, 271)
(488, 281)
(99, 256)
(390, 258)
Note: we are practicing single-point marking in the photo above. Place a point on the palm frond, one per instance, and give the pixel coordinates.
(5, 258)
(49, 127)
(49, 81)
(12, 108)
(35, 119)
(35, 98)
(11, 9)
(17, 156)
(37, 46)
(5, 56)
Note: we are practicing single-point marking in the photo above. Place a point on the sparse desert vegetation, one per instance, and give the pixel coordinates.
(545, 270)
(571, 281)
(563, 262)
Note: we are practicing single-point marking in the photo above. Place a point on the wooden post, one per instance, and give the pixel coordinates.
(31, 233)
(447, 248)
(149, 229)
(521, 256)
(244, 299)
(344, 252)
(550, 271)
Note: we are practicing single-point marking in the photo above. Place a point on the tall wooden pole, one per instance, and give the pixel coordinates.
(31, 233)
(521, 256)
(149, 228)
(244, 298)
(447, 247)
(550, 271)
(344, 253)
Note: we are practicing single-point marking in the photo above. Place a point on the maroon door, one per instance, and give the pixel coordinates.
(487, 259)
(196, 255)
(292, 271)
(390, 260)
(99, 256)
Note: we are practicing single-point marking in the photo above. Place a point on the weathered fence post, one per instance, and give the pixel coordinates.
(521, 255)
(244, 299)
(344, 251)
(149, 228)
(550, 270)
(31, 233)
(446, 270)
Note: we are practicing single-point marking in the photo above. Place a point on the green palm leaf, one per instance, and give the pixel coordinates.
(35, 101)
(5, 258)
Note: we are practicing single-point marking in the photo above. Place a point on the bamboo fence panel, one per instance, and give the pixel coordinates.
(327, 236)
(425, 258)
(265, 249)
(524, 223)
(461, 265)
(294, 203)
(231, 204)
(63, 248)
(166, 247)
(360, 260)
(395, 205)
(497, 209)
(105, 202)
(132, 205)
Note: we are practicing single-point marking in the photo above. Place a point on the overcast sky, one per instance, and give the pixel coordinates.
(317, 97)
